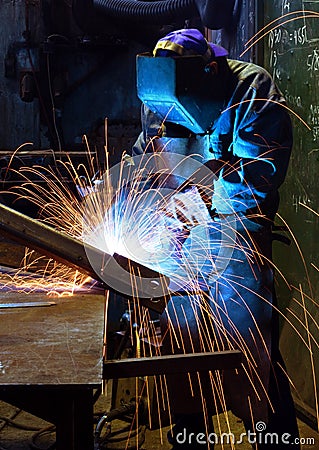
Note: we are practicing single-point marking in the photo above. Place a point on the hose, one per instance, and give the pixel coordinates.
(111, 415)
(214, 14)
(159, 12)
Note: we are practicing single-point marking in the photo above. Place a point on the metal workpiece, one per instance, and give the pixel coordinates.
(146, 285)
(172, 364)
(25, 304)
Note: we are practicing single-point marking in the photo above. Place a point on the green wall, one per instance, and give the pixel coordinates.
(291, 54)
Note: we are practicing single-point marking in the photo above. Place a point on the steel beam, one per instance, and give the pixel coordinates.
(150, 287)
(171, 364)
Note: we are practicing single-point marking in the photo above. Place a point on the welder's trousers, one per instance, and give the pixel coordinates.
(238, 311)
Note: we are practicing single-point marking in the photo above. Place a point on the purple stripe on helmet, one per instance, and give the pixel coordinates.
(192, 42)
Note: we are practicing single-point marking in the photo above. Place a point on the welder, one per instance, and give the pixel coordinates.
(233, 118)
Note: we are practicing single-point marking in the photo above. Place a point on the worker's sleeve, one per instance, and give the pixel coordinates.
(258, 156)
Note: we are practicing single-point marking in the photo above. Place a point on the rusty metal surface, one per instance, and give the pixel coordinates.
(59, 346)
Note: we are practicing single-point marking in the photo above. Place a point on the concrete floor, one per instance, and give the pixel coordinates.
(13, 438)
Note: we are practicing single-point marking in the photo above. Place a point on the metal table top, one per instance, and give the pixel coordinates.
(55, 345)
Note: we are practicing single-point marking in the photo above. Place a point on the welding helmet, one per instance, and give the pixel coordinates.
(177, 83)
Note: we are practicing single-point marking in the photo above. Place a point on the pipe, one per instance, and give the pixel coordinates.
(128, 408)
(159, 12)
(214, 14)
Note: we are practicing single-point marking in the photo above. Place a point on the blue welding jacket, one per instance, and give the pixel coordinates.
(252, 136)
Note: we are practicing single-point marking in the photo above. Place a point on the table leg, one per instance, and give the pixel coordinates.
(74, 423)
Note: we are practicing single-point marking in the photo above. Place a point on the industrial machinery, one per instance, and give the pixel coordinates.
(68, 65)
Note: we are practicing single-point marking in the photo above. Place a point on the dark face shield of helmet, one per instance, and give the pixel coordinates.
(180, 90)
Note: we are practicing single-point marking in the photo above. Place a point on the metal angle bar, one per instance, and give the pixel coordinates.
(171, 364)
(150, 287)
(25, 304)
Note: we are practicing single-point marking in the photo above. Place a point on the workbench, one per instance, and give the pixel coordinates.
(51, 361)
